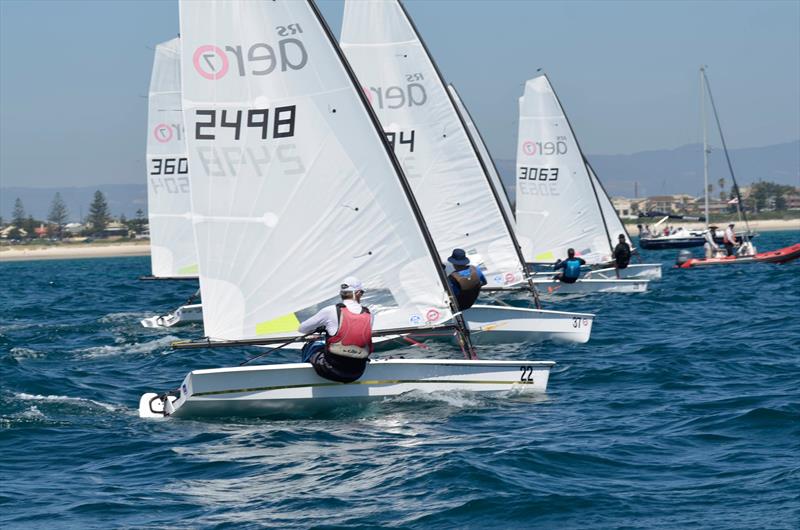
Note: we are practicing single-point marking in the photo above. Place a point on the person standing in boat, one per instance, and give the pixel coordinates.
(572, 267)
(622, 254)
(344, 354)
(729, 239)
(710, 245)
(465, 279)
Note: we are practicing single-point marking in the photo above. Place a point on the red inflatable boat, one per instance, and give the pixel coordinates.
(781, 255)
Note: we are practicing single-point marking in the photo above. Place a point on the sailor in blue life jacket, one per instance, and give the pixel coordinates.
(344, 353)
(571, 266)
(465, 280)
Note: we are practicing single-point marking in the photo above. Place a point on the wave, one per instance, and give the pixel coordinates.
(67, 399)
(109, 350)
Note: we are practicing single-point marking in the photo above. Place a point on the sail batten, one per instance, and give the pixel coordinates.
(295, 187)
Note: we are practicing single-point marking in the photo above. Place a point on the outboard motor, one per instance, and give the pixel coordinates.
(683, 256)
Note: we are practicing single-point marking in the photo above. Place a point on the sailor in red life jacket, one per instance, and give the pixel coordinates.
(344, 354)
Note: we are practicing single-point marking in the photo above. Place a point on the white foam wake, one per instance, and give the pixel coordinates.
(137, 347)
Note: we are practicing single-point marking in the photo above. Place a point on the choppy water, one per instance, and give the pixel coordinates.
(682, 411)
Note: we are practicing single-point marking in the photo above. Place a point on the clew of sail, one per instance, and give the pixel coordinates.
(172, 250)
(293, 187)
(422, 124)
(556, 204)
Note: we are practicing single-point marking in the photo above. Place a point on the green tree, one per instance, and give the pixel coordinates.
(139, 221)
(98, 213)
(58, 214)
(18, 216)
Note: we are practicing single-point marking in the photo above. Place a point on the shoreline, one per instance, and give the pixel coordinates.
(74, 251)
(142, 248)
(763, 225)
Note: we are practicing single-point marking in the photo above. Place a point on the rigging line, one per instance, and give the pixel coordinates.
(739, 204)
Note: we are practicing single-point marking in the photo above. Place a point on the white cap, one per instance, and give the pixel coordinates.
(351, 284)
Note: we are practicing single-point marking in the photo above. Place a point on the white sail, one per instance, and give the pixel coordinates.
(556, 206)
(483, 152)
(429, 138)
(172, 251)
(293, 188)
(613, 222)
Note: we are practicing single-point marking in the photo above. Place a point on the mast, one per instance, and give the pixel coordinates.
(457, 315)
(705, 138)
(739, 209)
(495, 192)
(509, 226)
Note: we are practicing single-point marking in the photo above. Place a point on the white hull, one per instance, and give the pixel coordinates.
(495, 324)
(643, 271)
(491, 324)
(185, 314)
(549, 288)
(297, 389)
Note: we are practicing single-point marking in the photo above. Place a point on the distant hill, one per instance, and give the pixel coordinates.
(122, 199)
(680, 170)
(667, 171)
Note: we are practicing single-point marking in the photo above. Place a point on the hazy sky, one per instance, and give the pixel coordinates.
(73, 75)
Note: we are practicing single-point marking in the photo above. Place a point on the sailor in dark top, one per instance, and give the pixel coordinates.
(622, 253)
(571, 266)
(465, 280)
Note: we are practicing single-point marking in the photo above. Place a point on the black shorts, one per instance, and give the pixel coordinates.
(338, 368)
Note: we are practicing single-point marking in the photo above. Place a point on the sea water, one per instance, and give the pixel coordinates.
(682, 411)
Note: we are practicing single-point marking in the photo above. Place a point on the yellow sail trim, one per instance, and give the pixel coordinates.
(545, 256)
(278, 325)
(189, 269)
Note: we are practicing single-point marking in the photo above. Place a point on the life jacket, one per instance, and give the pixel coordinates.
(572, 269)
(470, 287)
(354, 337)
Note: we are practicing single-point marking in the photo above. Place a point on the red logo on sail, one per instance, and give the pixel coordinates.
(432, 315)
(529, 148)
(210, 62)
(162, 133)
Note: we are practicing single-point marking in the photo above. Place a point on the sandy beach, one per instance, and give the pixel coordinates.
(74, 251)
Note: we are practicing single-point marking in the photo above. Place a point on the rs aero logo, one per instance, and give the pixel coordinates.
(165, 132)
(214, 62)
(531, 148)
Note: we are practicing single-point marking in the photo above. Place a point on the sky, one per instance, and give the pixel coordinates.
(74, 75)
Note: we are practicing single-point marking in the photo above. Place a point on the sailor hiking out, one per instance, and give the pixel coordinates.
(344, 354)
(572, 267)
(465, 280)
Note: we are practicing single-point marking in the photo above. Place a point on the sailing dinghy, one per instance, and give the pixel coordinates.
(649, 271)
(558, 203)
(463, 205)
(172, 250)
(294, 187)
